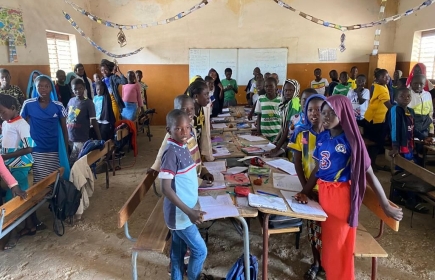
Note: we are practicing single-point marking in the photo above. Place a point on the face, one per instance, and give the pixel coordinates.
(329, 118)
(213, 75)
(180, 130)
(139, 76)
(228, 75)
(203, 98)
(289, 91)
(61, 77)
(360, 82)
(396, 75)
(318, 73)
(7, 114)
(80, 71)
(78, 90)
(333, 75)
(383, 79)
(99, 89)
(417, 70)
(5, 80)
(267, 75)
(35, 75)
(256, 70)
(304, 98)
(260, 84)
(96, 78)
(210, 86)
(131, 76)
(258, 76)
(188, 107)
(105, 71)
(270, 88)
(344, 78)
(403, 98)
(417, 84)
(354, 72)
(44, 88)
(313, 111)
(276, 77)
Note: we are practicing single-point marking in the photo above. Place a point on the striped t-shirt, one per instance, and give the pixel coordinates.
(270, 119)
(342, 89)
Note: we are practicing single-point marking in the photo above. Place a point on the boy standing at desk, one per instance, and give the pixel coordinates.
(230, 89)
(180, 187)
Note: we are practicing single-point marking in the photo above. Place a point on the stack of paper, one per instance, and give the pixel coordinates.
(283, 165)
(221, 151)
(219, 165)
(311, 208)
(224, 115)
(225, 110)
(221, 207)
(265, 147)
(251, 138)
(219, 125)
(264, 201)
(236, 170)
(286, 182)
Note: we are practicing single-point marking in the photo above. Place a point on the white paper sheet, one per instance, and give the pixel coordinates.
(218, 208)
(218, 183)
(286, 182)
(252, 138)
(215, 166)
(283, 165)
(225, 110)
(236, 170)
(217, 119)
(242, 202)
(224, 115)
(245, 158)
(266, 147)
(311, 208)
(221, 151)
(264, 201)
(218, 125)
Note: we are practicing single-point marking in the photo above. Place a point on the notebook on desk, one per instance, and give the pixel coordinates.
(264, 201)
(217, 208)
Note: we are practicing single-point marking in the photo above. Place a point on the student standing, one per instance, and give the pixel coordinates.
(79, 69)
(418, 69)
(109, 71)
(132, 98)
(218, 93)
(8, 89)
(299, 119)
(344, 86)
(334, 82)
(143, 88)
(230, 89)
(96, 78)
(103, 111)
(268, 120)
(342, 173)
(251, 85)
(31, 84)
(360, 98)
(63, 90)
(81, 113)
(319, 84)
(352, 77)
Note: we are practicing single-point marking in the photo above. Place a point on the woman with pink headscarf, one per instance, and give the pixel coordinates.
(418, 69)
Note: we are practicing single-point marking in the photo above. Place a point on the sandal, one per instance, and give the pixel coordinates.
(311, 274)
(27, 231)
(205, 277)
(41, 226)
(11, 243)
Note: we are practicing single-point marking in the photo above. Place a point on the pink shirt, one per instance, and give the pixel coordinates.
(131, 93)
(6, 175)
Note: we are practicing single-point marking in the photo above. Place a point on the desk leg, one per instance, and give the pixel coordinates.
(265, 244)
(134, 265)
(245, 246)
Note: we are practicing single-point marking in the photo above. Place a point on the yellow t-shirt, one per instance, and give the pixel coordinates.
(352, 83)
(377, 110)
(306, 144)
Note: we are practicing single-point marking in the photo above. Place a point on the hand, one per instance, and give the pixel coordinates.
(196, 216)
(301, 198)
(229, 87)
(428, 141)
(16, 191)
(208, 177)
(116, 69)
(393, 212)
(394, 152)
(256, 133)
(152, 172)
(250, 116)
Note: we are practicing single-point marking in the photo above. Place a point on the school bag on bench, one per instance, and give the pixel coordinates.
(237, 272)
(406, 181)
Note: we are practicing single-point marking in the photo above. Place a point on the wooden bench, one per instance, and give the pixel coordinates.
(155, 233)
(96, 155)
(120, 135)
(366, 245)
(15, 211)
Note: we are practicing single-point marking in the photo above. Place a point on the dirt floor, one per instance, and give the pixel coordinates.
(96, 249)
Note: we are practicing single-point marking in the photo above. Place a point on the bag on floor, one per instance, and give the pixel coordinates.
(64, 204)
(237, 272)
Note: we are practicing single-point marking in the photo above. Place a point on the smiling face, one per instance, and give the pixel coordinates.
(383, 78)
(329, 118)
(228, 75)
(61, 77)
(105, 71)
(318, 73)
(289, 91)
(313, 111)
(96, 78)
(180, 129)
(213, 75)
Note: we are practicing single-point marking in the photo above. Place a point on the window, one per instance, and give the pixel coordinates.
(427, 52)
(62, 53)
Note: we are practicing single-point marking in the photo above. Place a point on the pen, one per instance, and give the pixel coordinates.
(266, 193)
(233, 193)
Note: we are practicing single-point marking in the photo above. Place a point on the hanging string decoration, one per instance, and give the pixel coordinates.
(107, 23)
(122, 39)
(80, 31)
(343, 28)
(378, 30)
(342, 45)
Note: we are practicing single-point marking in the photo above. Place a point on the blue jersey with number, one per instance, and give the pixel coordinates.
(333, 155)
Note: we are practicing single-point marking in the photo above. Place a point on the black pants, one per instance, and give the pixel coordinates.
(376, 133)
(106, 131)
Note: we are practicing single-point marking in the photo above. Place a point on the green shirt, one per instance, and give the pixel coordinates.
(229, 94)
(270, 122)
(342, 89)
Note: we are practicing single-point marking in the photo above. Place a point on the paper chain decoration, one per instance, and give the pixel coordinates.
(79, 30)
(355, 26)
(378, 30)
(137, 26)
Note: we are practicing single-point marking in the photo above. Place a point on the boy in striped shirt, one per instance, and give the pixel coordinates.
(268, 120)
(344, 86)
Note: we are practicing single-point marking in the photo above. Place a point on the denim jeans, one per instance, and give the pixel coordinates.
(181, 239)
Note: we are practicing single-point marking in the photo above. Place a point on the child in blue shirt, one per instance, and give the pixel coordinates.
(180, 187)
(103, 111)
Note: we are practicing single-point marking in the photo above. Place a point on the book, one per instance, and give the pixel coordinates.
(252, 150)
(286, 182)
(260, 171)
(283, 165)
(264, 201)
(216, 208)
(311, 208)
(237, 179)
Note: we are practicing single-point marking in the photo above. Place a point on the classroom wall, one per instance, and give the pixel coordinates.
(39, 16)
(405, 30)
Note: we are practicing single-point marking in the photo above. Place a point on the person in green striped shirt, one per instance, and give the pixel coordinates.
(344, 86)
(268, 120)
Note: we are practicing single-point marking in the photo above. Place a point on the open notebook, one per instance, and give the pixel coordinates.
(311, 208)
(216, 208)
(264, 201)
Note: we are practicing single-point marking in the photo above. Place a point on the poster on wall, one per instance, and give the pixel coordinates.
(12, 50)
(11, 23)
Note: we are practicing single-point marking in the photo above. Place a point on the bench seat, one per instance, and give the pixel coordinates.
(366, 246)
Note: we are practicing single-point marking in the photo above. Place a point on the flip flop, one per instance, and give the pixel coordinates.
(26, 231)
(11, 243)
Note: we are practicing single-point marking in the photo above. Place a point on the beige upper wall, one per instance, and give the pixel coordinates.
(406, 27)
(40, 16)
(241, 24)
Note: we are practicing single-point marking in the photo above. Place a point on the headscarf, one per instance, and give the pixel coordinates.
(85, 79)
(297, 87)
(400, 73)
(411, 75)
(307, 125)
(194, 79)
(63, 155)
(360, 160)
(30, 84)
(69, 77)
(288, 108)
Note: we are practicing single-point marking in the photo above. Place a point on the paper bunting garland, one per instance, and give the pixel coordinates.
(79, 30)
(136, 26)
(12, 49)
(378, 30)
(355, 26)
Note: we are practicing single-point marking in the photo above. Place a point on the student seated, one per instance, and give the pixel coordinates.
(319, 84)
(180, 187)
(344, 86)
(8, 89)
(359, 97)
(81, 113)
(230, 89)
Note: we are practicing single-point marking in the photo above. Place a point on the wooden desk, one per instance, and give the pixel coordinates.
(235, 144)
(268, 187)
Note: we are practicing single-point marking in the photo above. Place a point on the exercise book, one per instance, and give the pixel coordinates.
(265, 201)
(286, 182)
(216, 208)
(311, 208)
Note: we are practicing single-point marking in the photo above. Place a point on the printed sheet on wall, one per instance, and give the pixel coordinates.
(11, 24)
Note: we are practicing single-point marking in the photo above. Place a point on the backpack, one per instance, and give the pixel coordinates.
(64, 203)
(237, 272)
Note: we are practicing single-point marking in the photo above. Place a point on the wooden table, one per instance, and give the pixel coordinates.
(235, 144)
(268, 187)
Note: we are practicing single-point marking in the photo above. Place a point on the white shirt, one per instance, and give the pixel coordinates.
(320, 86)
(359, 109)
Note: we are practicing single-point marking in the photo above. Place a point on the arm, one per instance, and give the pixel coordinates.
(145, 97)
(431, 126)
(390, 211)
(298, 166)
(236, 88)
(283, 135)
(258, 112)
(361, 99)
(388, 104)
(64, 132)
(17, 153)
(258, 123)
(96, 128)
(21, 97)
(221, 93)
